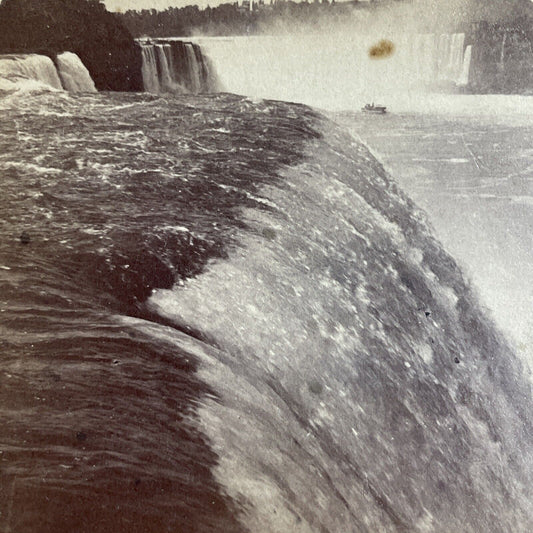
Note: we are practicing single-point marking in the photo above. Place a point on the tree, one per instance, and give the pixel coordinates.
(84, 27)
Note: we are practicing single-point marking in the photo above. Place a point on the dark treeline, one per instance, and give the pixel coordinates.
(289, 16)
(231, 19)
(84, 27)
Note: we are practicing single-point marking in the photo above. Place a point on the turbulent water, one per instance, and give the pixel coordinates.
(220, 315)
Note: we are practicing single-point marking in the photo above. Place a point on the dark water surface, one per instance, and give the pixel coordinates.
(105, 198)
(220, 315)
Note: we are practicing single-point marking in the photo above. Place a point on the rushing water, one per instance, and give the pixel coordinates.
(221, 315)
(39, 71)
(467, 162)
(73, 74)
(174, 66)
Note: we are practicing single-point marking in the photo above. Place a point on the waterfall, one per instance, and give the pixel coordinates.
(163, 57)
(335, 71)
(27, 70)
(176, 66)
(149, 69)
(194, 71)
(17, 69)
(502, 53)
(465, 71)
(73, 74)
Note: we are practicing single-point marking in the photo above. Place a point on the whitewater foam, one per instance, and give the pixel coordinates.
(74, 75)
(36, 73)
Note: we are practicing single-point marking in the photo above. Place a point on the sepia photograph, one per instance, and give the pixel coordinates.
(266, 266)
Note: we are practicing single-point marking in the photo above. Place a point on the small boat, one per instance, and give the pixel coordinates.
(376, 109)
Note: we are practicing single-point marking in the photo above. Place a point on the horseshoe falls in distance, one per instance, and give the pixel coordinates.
(226, 316)
(334, 71)
(337, 74)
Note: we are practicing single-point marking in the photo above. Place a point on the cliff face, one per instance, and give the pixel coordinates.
(84, 27)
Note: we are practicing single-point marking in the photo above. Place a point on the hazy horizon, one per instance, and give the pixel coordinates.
(125, 5)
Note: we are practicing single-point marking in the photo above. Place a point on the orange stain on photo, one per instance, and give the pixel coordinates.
(381, 50)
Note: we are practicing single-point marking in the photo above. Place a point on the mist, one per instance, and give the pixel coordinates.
(386, 18)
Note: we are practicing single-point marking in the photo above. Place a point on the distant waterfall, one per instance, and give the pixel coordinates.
(335, 71)
(176, 66)
(465, 73)
(19, 70)
(443, 55)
